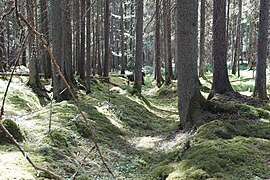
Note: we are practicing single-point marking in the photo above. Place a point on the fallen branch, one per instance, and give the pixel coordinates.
(247, 79)
(74, 175)
(60, 74)
(17, 74)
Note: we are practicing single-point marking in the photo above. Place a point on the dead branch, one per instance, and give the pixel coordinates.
(74, 175)
(57, 69)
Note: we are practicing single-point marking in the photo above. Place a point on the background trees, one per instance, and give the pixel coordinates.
(91, 38)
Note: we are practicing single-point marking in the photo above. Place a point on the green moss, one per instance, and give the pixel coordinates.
(244, 110)
(59, 139)
(224, 149)
(24, 100)
(167, 92)
(14, 129)
(136, 117)
(82, 129)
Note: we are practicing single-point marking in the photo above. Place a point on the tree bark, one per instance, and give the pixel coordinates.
(88, 46)
(34, 79)
(158, 46)
(167, 41)
(123, 62)
(190, 99)
(202, 39)
(221, 82)
(260, 90)
(106, 39)
(46, 61)
(81, 63)
(139, 45)
(238, 39)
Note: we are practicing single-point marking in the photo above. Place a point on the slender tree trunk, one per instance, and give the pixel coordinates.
(34, 79)
(251, 44)
(238, 36)
(46, 61)
(88, 46)
(221, 82)
(94, 50)
(167, 41)
(158, 46)
(67, 44)
(123, 63)
(106, 39)
(139, 45)
(202, 39)
(2, 47)
(98, 52)
(81, 63)
(228, 23)
(260, 90)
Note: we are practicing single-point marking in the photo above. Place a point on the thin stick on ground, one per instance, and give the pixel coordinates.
(74, 175)
(60, 74)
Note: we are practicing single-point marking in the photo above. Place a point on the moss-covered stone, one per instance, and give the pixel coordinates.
(13, 129)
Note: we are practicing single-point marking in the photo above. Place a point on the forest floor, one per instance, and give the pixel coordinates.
(138, 136)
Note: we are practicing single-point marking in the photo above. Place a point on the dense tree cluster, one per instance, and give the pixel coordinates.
(99, 37)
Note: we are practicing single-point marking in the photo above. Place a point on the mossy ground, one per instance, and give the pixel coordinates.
(139, 139)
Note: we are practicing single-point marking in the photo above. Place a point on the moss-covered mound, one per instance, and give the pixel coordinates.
(14, 129)
(224, 149)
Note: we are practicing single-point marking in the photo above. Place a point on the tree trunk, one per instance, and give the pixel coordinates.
(189, 97)
(2, 47)
(61, 46)
(98, 52)
(158, 44)
(46, 61)
(221, 82)
(77, 34)
(81, 63)
(139, 45)
(250, 64)
(67, 44)
(106, 39)
(34, 79)
(123, 63)
(202, 39)
(167, 41)
(260, 90)
(237, 43)
(88, 46)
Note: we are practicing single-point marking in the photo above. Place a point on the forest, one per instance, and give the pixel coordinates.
(134, 89)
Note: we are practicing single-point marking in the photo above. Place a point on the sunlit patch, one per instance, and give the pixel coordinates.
(15, 166)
